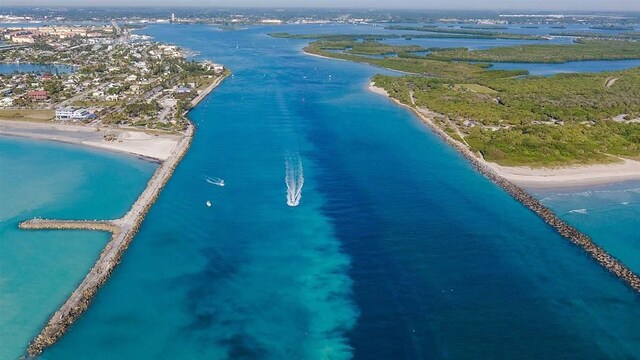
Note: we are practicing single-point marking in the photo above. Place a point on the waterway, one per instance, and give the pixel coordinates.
(396, 248)
(569, 67)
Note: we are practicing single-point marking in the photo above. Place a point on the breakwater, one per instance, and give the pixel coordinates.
(123, 230)
(567, 231)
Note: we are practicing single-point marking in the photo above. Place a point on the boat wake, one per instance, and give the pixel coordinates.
(578, 211)
(214, 180)
(294, 178)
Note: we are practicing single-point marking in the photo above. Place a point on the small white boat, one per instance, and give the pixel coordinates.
(208, 203)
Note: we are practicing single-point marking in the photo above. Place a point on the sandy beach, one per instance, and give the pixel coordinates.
(551, 178)
(139, 143)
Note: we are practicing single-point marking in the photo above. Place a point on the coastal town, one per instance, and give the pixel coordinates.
(102, 75)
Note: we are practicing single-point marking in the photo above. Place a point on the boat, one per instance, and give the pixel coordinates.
(208, 203)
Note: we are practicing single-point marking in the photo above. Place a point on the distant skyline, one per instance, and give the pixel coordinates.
(528, 5)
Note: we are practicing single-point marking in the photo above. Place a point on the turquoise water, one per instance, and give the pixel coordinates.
(38, 269)
(607, 213)
(10, 68)
(398, 248)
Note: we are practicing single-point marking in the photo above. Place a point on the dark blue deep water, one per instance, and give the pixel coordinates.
(397, 250)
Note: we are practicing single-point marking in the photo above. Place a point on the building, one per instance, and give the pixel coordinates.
(73, 114)
(38, 95)
(6, 102)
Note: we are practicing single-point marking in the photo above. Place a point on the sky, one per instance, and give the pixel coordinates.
(564, 5)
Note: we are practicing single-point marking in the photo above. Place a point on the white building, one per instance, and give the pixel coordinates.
(73, 114)
(6, 102)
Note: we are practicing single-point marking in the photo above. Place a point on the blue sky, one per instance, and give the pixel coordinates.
(577, 5)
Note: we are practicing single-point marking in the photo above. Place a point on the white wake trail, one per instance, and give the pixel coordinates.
(294, 178)
(214, 181)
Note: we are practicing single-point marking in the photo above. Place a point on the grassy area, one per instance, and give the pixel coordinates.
(513, 120)
(552, 53)
(476, 88)
(424, 34)
(417, 65)
(366, 47)
(536, 121)
(469, 33)
(26, 114)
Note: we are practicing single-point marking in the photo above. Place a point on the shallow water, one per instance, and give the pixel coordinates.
(38, 269)
(397, 249)
(607, 213)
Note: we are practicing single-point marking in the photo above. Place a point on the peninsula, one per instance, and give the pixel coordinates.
(129, 95)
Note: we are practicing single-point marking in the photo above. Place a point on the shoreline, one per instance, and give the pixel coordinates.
(571, 176)
(568, 232)
(366, 63)
(122, 230)
(144, 147)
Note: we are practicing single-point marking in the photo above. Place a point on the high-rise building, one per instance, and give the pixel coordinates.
(173, 17)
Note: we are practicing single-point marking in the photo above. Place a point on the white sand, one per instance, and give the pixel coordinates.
(377, 90)
(130, 141)
(570, 176)
(562, 177)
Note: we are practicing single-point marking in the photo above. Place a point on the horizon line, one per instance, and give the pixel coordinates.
(567, 11)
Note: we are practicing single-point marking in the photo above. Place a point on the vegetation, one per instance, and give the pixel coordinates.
(536, 121)
(470, 32)
(510, 119)
(26, 114)
(416, 65)
(586, 49)
(428, 35)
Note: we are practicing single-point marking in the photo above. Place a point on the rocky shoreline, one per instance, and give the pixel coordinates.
(123, 230)
(567, 231)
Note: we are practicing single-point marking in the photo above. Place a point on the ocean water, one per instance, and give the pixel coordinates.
(38, 269)
(397, 249)
(607, 213)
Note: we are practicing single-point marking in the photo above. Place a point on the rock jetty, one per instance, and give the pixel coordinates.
(122, 230)
(567, 231)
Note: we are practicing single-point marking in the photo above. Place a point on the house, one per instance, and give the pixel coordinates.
(73, 114)
(183, 90)
(38, 95)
